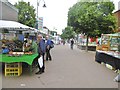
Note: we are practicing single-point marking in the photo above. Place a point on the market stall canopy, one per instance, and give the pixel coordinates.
(13, 26)
(115, 34)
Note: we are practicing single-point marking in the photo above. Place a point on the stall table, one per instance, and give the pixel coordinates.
(108, 58)
(24, 58)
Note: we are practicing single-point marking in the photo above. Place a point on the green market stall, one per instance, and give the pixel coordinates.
(25, 58)
(13, 65)
(11, 61)
(20, 49)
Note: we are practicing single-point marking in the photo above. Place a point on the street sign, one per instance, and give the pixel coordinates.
(40, 23)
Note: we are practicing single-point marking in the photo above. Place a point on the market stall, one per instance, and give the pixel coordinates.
(109, 42)
(11, 61)
(17, 46)
(108, 57)
(25, 58)
(108, 51)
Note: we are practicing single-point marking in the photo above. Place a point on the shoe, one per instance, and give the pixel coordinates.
(43, 71)
(39, 72)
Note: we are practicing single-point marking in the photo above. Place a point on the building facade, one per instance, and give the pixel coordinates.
(117, 15)
(8, 11)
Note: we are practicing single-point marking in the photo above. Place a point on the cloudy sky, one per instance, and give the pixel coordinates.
(55, 14)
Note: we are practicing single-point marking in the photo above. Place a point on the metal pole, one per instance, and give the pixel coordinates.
(1, 10)
(37, 9)
(37, 16)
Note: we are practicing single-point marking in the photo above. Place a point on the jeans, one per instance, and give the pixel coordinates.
(48, 56)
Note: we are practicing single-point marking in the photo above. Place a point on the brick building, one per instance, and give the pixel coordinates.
(117, 15)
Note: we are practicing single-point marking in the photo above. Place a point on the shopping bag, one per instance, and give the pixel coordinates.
(40, 61)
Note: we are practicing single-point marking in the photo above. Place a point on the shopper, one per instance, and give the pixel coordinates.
(71, 44)
(63, 42)
(41, 53)
(49, 46)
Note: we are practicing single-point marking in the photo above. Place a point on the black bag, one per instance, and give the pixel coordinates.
(52, 44)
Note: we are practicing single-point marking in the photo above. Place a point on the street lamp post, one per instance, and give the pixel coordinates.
(44, 5)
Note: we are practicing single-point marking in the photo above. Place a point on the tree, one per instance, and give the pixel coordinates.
(68, 33)
(26, 14)
(92, 18)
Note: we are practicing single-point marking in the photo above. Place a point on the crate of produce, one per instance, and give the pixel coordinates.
(13, 69)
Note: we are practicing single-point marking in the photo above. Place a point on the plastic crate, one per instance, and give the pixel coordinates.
(13, 65)
(13, 69)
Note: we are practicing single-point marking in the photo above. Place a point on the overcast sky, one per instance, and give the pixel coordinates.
(55, 14)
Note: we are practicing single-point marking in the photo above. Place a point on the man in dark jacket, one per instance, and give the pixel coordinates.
(41, 52)
(72, 43)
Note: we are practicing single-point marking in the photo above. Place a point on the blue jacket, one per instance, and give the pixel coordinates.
(41, 47)
(48, 42)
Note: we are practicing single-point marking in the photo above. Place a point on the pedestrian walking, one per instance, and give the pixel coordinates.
(49, 46)
(71, 44)
(41, 53)
(63, 42)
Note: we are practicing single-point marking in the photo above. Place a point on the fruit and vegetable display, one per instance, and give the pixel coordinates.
(17, 48)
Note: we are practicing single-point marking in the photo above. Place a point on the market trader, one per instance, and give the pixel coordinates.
(41, 52)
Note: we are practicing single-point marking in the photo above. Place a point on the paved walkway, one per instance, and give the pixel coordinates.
(68, 69)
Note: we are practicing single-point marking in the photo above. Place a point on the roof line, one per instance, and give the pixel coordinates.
(9, 4)
(116, 11)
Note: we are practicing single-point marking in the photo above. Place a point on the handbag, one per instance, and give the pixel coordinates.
(51, 44)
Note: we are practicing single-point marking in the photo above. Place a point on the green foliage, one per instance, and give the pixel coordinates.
(92, 18)
(26, 13)
(68, 33)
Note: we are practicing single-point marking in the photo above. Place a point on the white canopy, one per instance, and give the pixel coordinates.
(16, 26)
(13, 25)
